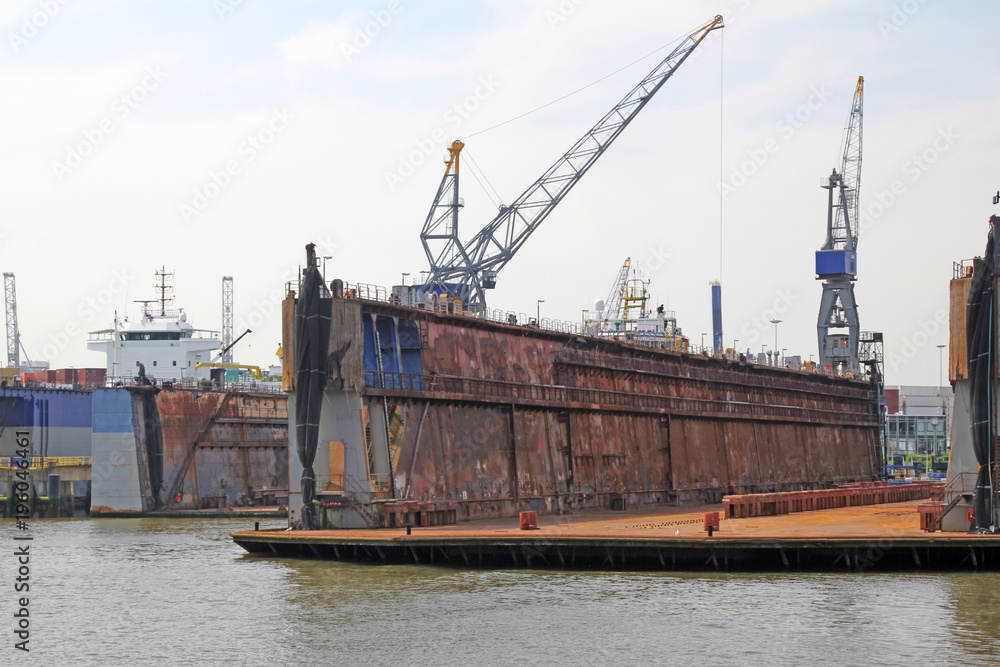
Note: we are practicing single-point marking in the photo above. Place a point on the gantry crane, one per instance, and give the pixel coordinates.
(467, 270)
(837, 260)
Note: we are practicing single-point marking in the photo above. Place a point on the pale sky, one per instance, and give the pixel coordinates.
(218, 137)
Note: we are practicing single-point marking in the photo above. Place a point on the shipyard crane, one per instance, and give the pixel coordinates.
(13, 336)
(837, 260)
(467, 270)
(613, 304)
(227, 319)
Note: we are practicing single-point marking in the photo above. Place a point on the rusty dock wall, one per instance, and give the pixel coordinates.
(502, 418)
(214, 448)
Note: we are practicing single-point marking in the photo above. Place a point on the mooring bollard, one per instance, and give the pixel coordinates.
(256, 525)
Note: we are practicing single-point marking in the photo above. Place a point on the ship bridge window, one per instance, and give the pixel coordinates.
(153, 335)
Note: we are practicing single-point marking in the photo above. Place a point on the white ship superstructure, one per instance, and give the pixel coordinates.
(163, 341)
(168, 347)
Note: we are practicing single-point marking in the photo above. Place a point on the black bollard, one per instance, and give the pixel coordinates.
(256, 525)
(710, 530)
(408, 528)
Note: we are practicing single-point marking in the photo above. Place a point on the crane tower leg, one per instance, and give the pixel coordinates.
(838, 311)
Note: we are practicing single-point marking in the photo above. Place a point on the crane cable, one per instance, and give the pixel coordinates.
(592, 83)
(722, 55)
(498, 202)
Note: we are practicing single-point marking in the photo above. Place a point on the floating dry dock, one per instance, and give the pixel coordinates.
(872, 537)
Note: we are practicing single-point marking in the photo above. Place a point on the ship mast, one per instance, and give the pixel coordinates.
(163, 288)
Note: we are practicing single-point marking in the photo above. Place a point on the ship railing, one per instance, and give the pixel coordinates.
(109, 335)
(460, 386)
(963, 268)
(245, 387)
(963, 483)
(361, 498)
(43, 462)
(368, 292)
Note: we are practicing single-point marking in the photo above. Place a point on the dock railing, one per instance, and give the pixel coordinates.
(963, 483)
(254, 387)
(44, 462)
(506, 390)
(376, 293)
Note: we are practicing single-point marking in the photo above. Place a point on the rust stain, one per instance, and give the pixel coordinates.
(513, 419)
(246, 445)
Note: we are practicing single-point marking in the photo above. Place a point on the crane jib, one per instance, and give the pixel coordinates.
(468, 269)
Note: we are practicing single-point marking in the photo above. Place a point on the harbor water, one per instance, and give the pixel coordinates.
(179, 592)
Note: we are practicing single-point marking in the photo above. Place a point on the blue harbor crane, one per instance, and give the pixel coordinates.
(837, 261)
(466, 270)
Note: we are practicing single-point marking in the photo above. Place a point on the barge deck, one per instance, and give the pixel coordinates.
(855, 539)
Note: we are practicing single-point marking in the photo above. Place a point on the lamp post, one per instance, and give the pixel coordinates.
(538, 312)
(941, 374)
(403, 281)
(325, 257)
(940, 367)
(776, 323)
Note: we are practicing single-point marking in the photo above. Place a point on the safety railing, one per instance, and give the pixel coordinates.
(270, 386)
(376, 293)
(43, 462)
(962, 483)
(512, 391)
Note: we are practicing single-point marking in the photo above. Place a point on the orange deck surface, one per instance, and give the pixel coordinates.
(879, 522)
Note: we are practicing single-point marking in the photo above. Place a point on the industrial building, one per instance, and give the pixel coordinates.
(918, 420)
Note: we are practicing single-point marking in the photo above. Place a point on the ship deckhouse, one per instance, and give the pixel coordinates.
(162, 340)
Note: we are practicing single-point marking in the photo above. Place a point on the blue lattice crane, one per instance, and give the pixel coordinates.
(467, 270)
(837, 261)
